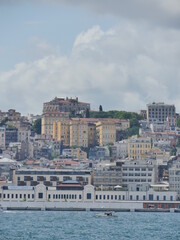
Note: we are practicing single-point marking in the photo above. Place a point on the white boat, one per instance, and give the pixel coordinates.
(106, 214)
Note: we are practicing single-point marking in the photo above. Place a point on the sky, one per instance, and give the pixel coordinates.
(120, 54)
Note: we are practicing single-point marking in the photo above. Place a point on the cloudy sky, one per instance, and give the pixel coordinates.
(121, 54)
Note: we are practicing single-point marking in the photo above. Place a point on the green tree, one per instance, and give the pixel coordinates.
(100, 108)
(37, 126)
(178, 122)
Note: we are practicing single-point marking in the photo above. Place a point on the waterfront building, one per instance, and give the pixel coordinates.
(50, 177)
(72, 192)
(106, 178)
(138, 146)
(160, 112)
(174, 177)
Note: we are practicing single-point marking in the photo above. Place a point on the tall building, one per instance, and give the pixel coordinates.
(61, 132)
(82, 133)
(174, 177)
(106, 132)
(59, 109)
(160, 112)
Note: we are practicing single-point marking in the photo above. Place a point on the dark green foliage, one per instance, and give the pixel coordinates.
(178, 122)
(37, 126)
(100, 108)
(116, 114)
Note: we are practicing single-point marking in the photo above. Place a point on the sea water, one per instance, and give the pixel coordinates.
(54, 225)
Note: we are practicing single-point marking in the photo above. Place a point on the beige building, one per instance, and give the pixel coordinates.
(49, 118)
(61, 132)
(59, 109)
(65, 105)
(106, 132)
(82, 133)
(138, 147)
(75, 132)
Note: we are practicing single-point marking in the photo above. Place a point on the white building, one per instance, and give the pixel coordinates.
(174, 177)
(121, 149)
(139, 171)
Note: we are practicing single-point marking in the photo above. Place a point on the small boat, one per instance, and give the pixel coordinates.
(106, 214)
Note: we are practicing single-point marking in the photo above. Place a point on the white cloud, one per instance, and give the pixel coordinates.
(121, 68)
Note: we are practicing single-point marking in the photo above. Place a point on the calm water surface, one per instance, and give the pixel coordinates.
(86, 225)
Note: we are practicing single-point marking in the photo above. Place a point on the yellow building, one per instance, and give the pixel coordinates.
(78, 133)
(49, 118)
(61, 132)
(106, 132)
(138, 147)
(75, 132)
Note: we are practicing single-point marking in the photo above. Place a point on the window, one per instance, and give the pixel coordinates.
(40, 195)
(144, 197)
(131, 197)
(16, 195)
(88, 195)
(171, 198)
(29, 196)
(79, 196)
(32, 195)
(111, 197)
(20, 196)
(96, 197)
(119, 197)
(164, 198)
(157, 198)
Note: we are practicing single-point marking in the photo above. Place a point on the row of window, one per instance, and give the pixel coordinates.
(137, 169)
(64, 196)
(16, 196)
(137, 174)
(137, 197)
(136, 180)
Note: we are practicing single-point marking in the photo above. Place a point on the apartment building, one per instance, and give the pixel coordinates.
(139, 171)
(49, 118)
(174, 177)
(160, 112)
(79, 133)
(106, 132)
(61, 132)
(75, 132)
(137, 147)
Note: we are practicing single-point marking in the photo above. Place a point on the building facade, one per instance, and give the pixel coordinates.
(160, 112)
(137, 147)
